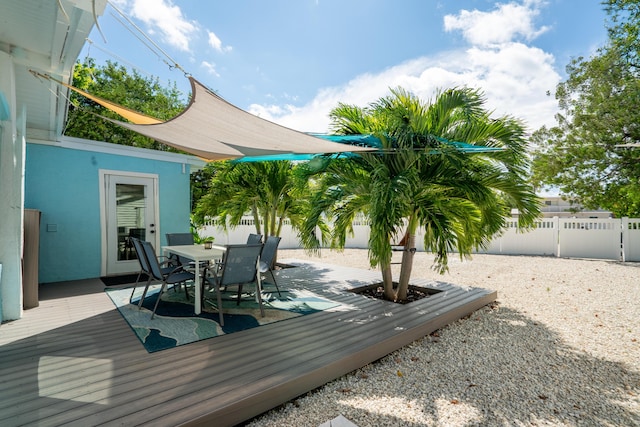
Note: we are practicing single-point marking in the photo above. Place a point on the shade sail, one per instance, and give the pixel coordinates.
(350, 140)
(366, 141)
(214, 129)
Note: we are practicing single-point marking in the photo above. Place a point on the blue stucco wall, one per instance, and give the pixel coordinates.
(63, 184)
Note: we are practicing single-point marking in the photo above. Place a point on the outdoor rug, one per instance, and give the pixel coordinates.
(176, 324)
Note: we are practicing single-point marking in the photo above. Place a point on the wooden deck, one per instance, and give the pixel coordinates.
(75, 361)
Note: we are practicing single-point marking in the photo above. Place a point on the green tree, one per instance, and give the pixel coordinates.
(581, 154)
(201, 184)
(271, 192)
(420, 180)
(114, 83)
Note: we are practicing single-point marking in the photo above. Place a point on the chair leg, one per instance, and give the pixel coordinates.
(259, 295)
(217, 286)
(275, 283)
(239, 294)
(186, 291)
(135, 286)
(144, 293)
(203, 283)
(162, 290)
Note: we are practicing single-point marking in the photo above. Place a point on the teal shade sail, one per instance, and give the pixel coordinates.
(276, 157)
(355, 140)
(358, 141)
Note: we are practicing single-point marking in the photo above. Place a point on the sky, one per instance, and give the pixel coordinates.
(292, 61)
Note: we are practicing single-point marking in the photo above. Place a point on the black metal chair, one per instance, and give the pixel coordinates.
(144, 267)
(179, 239)
(134, 233)
(239, 267)
(267, 258)
(254, 238)
(177, 276)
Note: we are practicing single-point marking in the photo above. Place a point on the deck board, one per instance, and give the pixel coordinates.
(75, 361)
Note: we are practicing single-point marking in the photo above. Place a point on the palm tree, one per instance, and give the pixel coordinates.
(270, 191)
(420, 179)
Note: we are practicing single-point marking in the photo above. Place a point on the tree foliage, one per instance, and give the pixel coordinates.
(420, 180)
(598, 113)
(271, 192)
(114, 83)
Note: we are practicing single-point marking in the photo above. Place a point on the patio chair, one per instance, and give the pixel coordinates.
(144, 267)
(239, 267)
(134, 233)
(177, 239)
(254, 238)
(267, 258)
(176, 276)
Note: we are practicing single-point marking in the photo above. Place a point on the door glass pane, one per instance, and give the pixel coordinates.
(130, 205)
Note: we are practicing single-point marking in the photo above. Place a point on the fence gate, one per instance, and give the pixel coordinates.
(590, 238)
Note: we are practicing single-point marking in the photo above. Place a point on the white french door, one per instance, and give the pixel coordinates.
(129, 209)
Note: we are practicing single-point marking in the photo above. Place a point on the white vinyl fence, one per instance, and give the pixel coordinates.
(600, 238)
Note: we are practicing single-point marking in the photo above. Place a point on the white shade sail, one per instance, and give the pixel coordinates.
(214, 129)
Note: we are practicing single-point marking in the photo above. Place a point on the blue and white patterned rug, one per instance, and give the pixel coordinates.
(176, 324)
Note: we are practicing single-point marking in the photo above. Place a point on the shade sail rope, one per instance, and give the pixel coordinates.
(129, 114)
(142, 39)
(159, 52)
(117, 57)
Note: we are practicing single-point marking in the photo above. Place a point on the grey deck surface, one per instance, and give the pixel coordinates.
(75, 361)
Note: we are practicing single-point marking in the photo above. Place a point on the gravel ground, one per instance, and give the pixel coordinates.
(561, 347)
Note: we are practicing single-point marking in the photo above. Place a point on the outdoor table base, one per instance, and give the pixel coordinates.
(198, 254)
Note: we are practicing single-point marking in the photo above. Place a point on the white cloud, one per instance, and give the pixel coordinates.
(514, 77)
(216, 43)
(164, 17)
(210, 68)
(502, 25)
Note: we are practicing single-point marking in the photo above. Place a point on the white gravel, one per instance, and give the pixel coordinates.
(560, 348)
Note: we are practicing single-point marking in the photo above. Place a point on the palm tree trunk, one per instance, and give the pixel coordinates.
(387, 282)
(280, 224)
(256, 218)
(265, 225)
(273, 221)
(406, 267)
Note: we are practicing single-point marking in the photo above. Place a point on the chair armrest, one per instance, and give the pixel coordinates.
(213, 267)
(178, 269)
(172, 259)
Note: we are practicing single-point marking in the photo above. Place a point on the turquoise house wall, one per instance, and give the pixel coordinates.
(63, 184)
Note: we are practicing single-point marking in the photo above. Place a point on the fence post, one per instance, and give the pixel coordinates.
(556, 235)
(624, 238)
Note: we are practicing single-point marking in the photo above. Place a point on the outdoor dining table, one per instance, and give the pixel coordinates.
(199, 254)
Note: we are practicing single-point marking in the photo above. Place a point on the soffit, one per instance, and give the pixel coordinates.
(46, 36)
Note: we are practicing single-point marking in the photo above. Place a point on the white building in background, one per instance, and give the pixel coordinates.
(557, 206)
